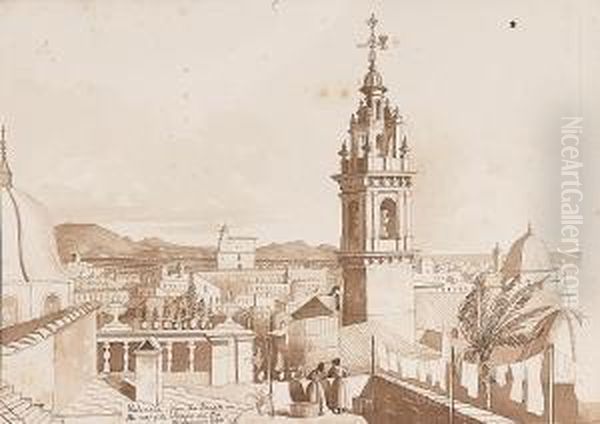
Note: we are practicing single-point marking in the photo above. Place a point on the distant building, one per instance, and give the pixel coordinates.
(313, 332)
(174, 285)
(235, 252)
(529, 259)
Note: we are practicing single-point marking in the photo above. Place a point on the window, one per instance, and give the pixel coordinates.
(388, 228)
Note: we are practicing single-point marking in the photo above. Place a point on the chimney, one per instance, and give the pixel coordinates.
(148, 372)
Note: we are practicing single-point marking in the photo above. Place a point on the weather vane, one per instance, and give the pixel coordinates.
(375, 42)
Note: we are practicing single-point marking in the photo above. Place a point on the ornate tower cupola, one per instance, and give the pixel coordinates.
(376, 177)
(376, 191)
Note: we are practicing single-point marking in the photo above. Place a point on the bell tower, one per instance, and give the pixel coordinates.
(376, 191)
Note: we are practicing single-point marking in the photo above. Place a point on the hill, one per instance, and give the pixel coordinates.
(296, 250)
(95, 241)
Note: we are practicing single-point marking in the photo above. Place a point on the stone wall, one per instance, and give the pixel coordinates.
(74, 359)
(31, 371)
(51, 362)
(387, 401)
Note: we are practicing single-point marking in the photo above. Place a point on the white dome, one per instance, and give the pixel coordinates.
(29, 250)
(527, 255)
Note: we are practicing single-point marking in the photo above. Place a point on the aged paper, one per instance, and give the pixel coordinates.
(299, 211)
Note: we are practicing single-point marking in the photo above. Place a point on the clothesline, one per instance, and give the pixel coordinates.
(526, 388)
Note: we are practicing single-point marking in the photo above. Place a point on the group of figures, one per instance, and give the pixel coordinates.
(320, 391)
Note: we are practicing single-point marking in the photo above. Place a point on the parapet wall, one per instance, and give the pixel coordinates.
(51, 360)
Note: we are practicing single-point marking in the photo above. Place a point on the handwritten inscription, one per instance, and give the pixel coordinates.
(203, 413)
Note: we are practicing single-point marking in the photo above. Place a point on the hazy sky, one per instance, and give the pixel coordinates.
(166, 118)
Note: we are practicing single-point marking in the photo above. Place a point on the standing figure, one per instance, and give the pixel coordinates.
(259, 364)
(279, 367)
(339, 399)
(315, 390)
(295, 386)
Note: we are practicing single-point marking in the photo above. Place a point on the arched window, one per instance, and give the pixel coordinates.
(10, 311)
(388, 220)
(51, 304)
(381, 147)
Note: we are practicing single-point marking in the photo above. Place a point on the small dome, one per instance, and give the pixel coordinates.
(373, 80)
(527, 255)
(29, 250)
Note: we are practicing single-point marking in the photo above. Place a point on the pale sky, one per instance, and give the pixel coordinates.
(166, 118)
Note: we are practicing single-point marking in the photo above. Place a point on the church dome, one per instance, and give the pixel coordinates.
(29, 250)
(527, 255)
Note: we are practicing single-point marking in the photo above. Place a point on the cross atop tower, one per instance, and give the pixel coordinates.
(375, 42)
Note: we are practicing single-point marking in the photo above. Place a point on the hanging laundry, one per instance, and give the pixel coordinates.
(434, 373)
(518, 373)
(469, 379)
(410, 367)
(535, 392)
(500, 374)
(421, 376)
(441, 369)
(438, 371)
(383, 357)
(564, 367)
(401, 365)
(393, 360)
(446, 344)
(426, 373)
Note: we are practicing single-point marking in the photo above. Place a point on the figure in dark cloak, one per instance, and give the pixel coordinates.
(339, 399)
(316, 391)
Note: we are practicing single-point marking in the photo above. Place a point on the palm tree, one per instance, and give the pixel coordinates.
(493, 317)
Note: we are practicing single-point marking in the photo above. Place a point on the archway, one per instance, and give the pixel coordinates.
(388, 219)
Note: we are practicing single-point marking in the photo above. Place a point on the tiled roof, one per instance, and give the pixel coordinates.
(315, 307)
(29, 333)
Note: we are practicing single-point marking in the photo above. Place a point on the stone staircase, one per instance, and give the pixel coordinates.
(16, 409)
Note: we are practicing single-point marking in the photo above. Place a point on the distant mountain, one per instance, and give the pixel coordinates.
(94, 241)
(296, 250)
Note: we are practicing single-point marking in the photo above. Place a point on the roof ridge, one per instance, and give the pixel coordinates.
(47, 329)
